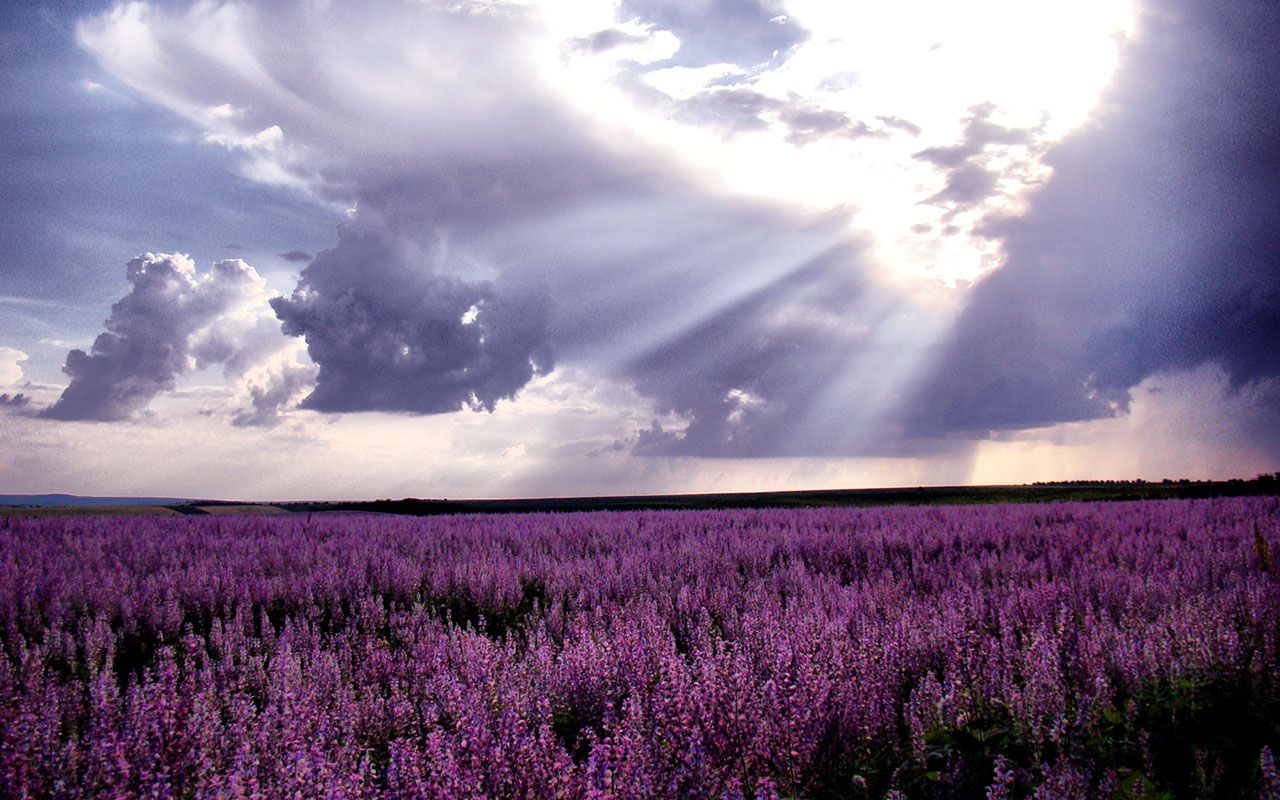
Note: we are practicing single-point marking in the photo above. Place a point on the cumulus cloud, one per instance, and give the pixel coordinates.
(270, 389)
(1152, 249)
(11, 365)
(390, 320)
(173, 320)
(414, 340)
(502, 225)
(495, 223)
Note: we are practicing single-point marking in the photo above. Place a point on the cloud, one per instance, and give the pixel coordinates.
(969, 180)
(238, 339)
(172, 321)
(1152, 249)
(979, 134)
(296, 257)
(11, 365)
(18, 400)
(1179, 424)
(808, 124)
(732, 110)
(901, 124)
(268, 390)
(967, 185)
(506, 221)
(460, 121)
(414, 340)
(496, 223)
(758, 378)
(743, 32)
(559, 420)
(606, 39)
(741, 109)
(465, 142)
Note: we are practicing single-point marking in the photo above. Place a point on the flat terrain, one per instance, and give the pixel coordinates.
(1073, 491)
(241, 508)
(82, 511)
(1072, 651)
(1076, 491)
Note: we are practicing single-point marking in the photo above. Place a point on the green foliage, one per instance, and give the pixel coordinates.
(1195, 739)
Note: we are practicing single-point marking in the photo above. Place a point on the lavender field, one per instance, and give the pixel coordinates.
(1049, 651)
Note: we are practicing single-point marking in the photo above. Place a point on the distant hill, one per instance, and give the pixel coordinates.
(75, 500)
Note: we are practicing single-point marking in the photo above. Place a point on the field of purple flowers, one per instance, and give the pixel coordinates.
(1049, 651)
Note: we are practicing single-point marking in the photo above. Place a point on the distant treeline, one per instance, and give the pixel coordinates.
(1264, 478)
(1042, 492)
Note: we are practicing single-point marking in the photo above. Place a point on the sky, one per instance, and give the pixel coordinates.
(511, 248)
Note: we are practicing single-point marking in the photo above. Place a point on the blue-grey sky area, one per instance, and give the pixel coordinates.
(90, 171)
(546, 247)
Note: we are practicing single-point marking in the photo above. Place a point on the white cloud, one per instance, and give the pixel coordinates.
(273, 387)
(569, 428)
(1041, 67)
(428, 96)
(504, 141)
(477, 170)
(172, 321)
(684, 82)
(1187, 424)
(268, 139)
(10, 366)
(223, 111)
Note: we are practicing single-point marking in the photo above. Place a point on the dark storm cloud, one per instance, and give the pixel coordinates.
(148, 340)
(296, 257)
(395, 315)
(414, 340)
(744, 32)
(1154, 246)
(382, 312)
(472, 194)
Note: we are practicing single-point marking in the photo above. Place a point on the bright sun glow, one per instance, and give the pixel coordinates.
(914, 72)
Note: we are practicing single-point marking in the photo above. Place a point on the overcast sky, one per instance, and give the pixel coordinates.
(470, 248)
